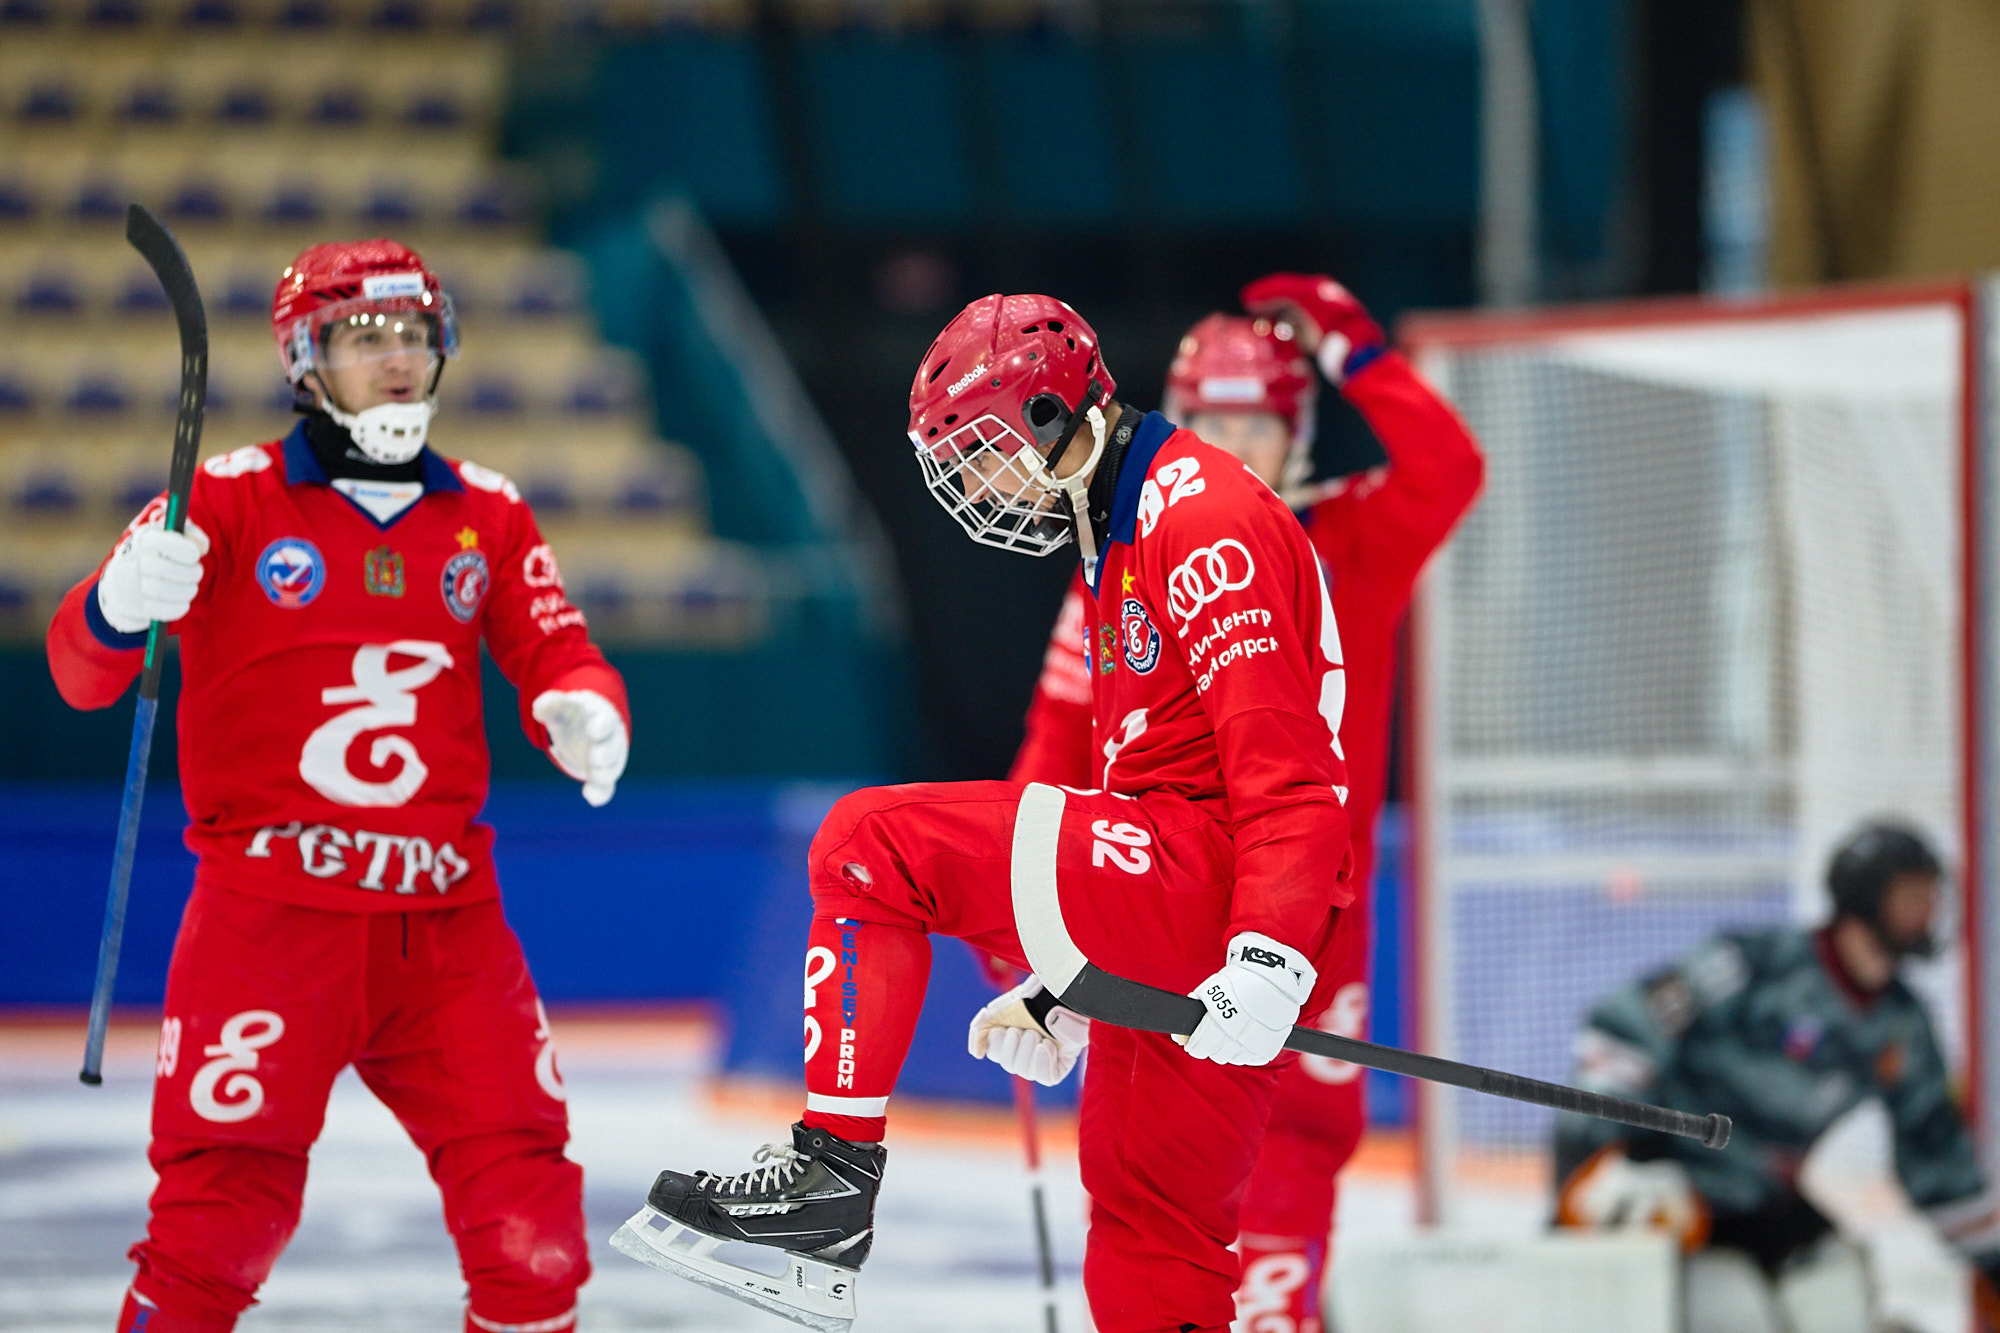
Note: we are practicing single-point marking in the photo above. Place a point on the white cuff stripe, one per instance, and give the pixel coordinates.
(561, 1321)
(1038, 918)
(862, 1106)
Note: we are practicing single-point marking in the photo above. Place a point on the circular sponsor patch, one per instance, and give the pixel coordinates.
(465, 582)
(291, 572)
(1142, 640)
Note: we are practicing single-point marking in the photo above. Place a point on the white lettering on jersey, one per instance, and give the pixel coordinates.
(321, 846)
(1333, 685)
(539, 568)
(1205, 575)
(1347, 1016)
(242, 1037)
(1131, 729)
(1180, 476)
(815, 974)
(388, 699)
(238, 462)
(486, 479)
(545, 1059)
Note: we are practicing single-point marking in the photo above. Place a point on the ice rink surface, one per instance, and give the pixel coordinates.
(954, 1249)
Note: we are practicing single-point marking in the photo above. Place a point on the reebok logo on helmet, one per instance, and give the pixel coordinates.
(959, 385)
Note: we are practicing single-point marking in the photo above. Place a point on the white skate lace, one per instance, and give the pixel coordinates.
(786, 1163)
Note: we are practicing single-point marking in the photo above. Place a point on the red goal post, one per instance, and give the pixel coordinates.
(1728, 590)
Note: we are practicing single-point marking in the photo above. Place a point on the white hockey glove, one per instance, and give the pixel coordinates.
(153, 575)
(1008, 1033)
(1253, 1002)
(1611, 1192)
(587, 738)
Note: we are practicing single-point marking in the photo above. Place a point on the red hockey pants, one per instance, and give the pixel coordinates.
(1145, 884)
(266, 1004)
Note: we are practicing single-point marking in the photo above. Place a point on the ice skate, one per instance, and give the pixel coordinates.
(790, 1236)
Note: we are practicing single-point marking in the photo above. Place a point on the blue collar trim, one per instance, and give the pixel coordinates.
(302, 466)
(1146, 442)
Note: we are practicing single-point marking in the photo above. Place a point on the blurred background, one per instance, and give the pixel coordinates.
(698, 247)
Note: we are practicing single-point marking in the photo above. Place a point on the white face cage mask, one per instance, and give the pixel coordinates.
(995, 482)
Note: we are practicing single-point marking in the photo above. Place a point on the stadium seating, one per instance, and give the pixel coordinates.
(257, 127)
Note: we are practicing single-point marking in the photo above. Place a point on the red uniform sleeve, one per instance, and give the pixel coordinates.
(1252, 621)
(1056, 748)
(538, 639)
(1393, 517)
(92, 663)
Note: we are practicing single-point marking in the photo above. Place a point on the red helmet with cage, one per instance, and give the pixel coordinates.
(344, 279)
(996, 403)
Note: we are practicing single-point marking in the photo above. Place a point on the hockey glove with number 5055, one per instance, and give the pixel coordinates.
(586, 737)
(1029, 1035)
(1252, 1002)
(1331, 321)
(153, 575)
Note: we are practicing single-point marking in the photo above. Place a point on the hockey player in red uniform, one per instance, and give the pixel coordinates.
(1207, 852)
(330, 596)
(1243, 384)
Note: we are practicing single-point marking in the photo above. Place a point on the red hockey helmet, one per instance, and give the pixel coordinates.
(997, 401)
(352, 280)
(1239, 363)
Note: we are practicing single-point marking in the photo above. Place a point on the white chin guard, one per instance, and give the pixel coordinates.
(388, 432)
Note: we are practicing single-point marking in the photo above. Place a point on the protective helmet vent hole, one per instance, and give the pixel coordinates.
(1043, 408)
(952, 419)
(1055, 326)
(1071, 342)
(932, 431)
(1032, 328)
(939, 371)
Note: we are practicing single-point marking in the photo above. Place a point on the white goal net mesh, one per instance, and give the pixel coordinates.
(1705, 618)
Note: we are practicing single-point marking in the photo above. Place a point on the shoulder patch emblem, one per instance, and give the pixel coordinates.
(1106, 655)
(1142, 638)
(238, 462)
(291, 571)
(466, 579)
(486, 479)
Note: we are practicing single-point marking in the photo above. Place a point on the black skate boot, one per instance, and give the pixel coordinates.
(789, 1236)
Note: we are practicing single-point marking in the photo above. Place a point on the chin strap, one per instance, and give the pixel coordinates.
(1076, 490)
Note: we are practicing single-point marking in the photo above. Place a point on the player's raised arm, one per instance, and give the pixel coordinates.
(97, 640)
(573, 702)
(1403, 510)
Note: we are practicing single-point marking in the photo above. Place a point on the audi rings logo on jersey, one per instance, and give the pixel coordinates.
(466, 579)
(1142, 639)
(242, 1096)
(291, 572)
(1207, 574)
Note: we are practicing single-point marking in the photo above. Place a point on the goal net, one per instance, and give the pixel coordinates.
(1714, 608)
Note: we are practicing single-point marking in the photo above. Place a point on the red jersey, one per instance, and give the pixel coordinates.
(1373, 534)
(1216, 674)
(332, 749)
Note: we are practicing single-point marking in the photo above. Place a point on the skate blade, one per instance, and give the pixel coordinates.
(805, 1290)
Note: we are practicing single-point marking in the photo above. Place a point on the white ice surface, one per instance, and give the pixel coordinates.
(954, 1248)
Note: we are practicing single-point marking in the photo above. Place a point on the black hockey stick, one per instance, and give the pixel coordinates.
(151, 239)
(1099, 995)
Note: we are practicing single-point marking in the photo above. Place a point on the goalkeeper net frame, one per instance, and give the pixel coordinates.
(1728, 591)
